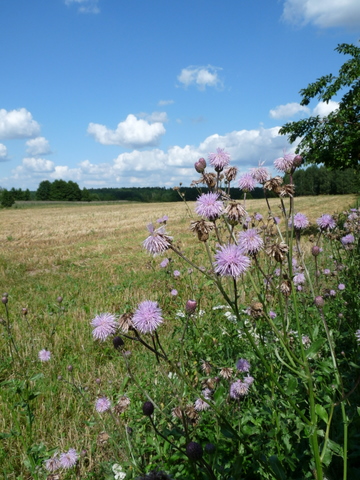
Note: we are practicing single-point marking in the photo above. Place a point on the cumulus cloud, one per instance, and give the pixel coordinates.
(323, 13)
(131, 133)
(85, 6)
(38, 146)
(154, 117)
(323, 109)
(38, 165)
(202, 77)
(288, 110)
(17, 124)
(3, 153)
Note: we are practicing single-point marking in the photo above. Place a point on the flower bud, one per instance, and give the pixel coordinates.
(297, 161)
(148, 409)
(194, 451)
(200, 165)
(315, 250)
(24, 311)
(118, 342)
(4, 300)
(59, 299)
(190, 306)
(70, 368)
(319, 301)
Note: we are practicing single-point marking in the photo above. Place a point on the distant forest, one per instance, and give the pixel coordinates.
(312, 180)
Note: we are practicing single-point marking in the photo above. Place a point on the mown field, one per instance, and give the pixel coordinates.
(91, 256)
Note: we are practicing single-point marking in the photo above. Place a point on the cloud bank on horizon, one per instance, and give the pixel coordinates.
(153, 155)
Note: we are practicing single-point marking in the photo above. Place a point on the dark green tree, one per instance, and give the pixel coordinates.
(333, 140)
(85, 195)
(44, 190)
(7, 199)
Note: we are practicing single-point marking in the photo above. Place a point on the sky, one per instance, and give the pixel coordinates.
(130, 93)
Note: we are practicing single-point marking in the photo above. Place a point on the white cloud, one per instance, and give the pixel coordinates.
(132, 133)
(85, 6)
(323, 109)
(323, 13)
(202, 77)
(165, 102)
(17, 124)
(38, 165)
(288, 110)
(3, 153)
(38, 146)
(154, 117)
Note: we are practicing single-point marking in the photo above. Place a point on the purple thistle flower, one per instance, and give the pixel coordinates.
(243, 365)
(220, 159)
(200, 165)
(300, 221)
(260, 174)
(285, 163)
(44, 355)
(200, 405)
(332, 293)
(299, 279)
(147, 317)
(277, 220)
(348, 239)
(272, 314)
(250, 241)
(158, 241)
(247, 182)
(238, 389)
(208, 205)
(164, 263)
(326, 222)
(249, 380)
(102, 404)
(341, 286)
(176, 273)
(174, 292)
(104, 325)
(53, 463)
(258, 217)
(327, 271)
(230, 261)
(68, 459)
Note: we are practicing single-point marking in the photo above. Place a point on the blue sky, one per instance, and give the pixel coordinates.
(132, 92)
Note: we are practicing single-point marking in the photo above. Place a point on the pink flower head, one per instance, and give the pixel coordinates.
(176, 273)
(230, 261)
(260, 174)
(147, 317)
(68, 459)
(102, 404)
(238, 389)
(250, 241)
(104, 325)
(243, 365)
(200, 405)
(158, 241)
(348, 239)
(286, 163)
(164, 263)
(174, 292)
(341, 286)
(326, 222)
(247, 182)
(44, 355)
(300, 221)
(208, 205)
(53, 463)
(220, 159)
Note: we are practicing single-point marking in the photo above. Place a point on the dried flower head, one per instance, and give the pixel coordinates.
(53, 463)
(158, 241)
(256, 309)
(226, 373)
(278, 251)
(202, 228)
(235, 212)
(287, 190)
(273, 184)
(125, 322)
(147, 317)
(200, 405)
(122, 405)
(230, 174)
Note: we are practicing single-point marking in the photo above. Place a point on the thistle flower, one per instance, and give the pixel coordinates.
(299, 279)
(315, 250)
(44, 355)
(190, 306)
(220, 159)
(208, 205)
(319, 301)
(176, 273)
(278, 251)
(272, 314)
(200, 405)
(174, 292)
(326, 222)
(348, 239)
(238, 389)
(250, 242)
(102, 404)
(104, 325)
(286, 163)
(53, 463)
(247, 183)
(158, 241)
(147, 317)
(260, 174)
(200, 165)
(341, 286)
(243, 365)
(164, 263)
(68, 459)
(300, 221)
(230, 261)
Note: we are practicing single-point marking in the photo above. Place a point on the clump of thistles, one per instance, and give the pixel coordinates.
(230, 261)
(147, 317)
(104, 325)
(158, 241)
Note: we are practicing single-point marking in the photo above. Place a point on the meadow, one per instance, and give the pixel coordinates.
(61, 266)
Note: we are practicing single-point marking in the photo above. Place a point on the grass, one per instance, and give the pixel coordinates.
(90, 255)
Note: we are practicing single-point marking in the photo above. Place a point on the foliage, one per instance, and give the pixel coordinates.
(61, 190)
(333, 140)
(7, 199)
